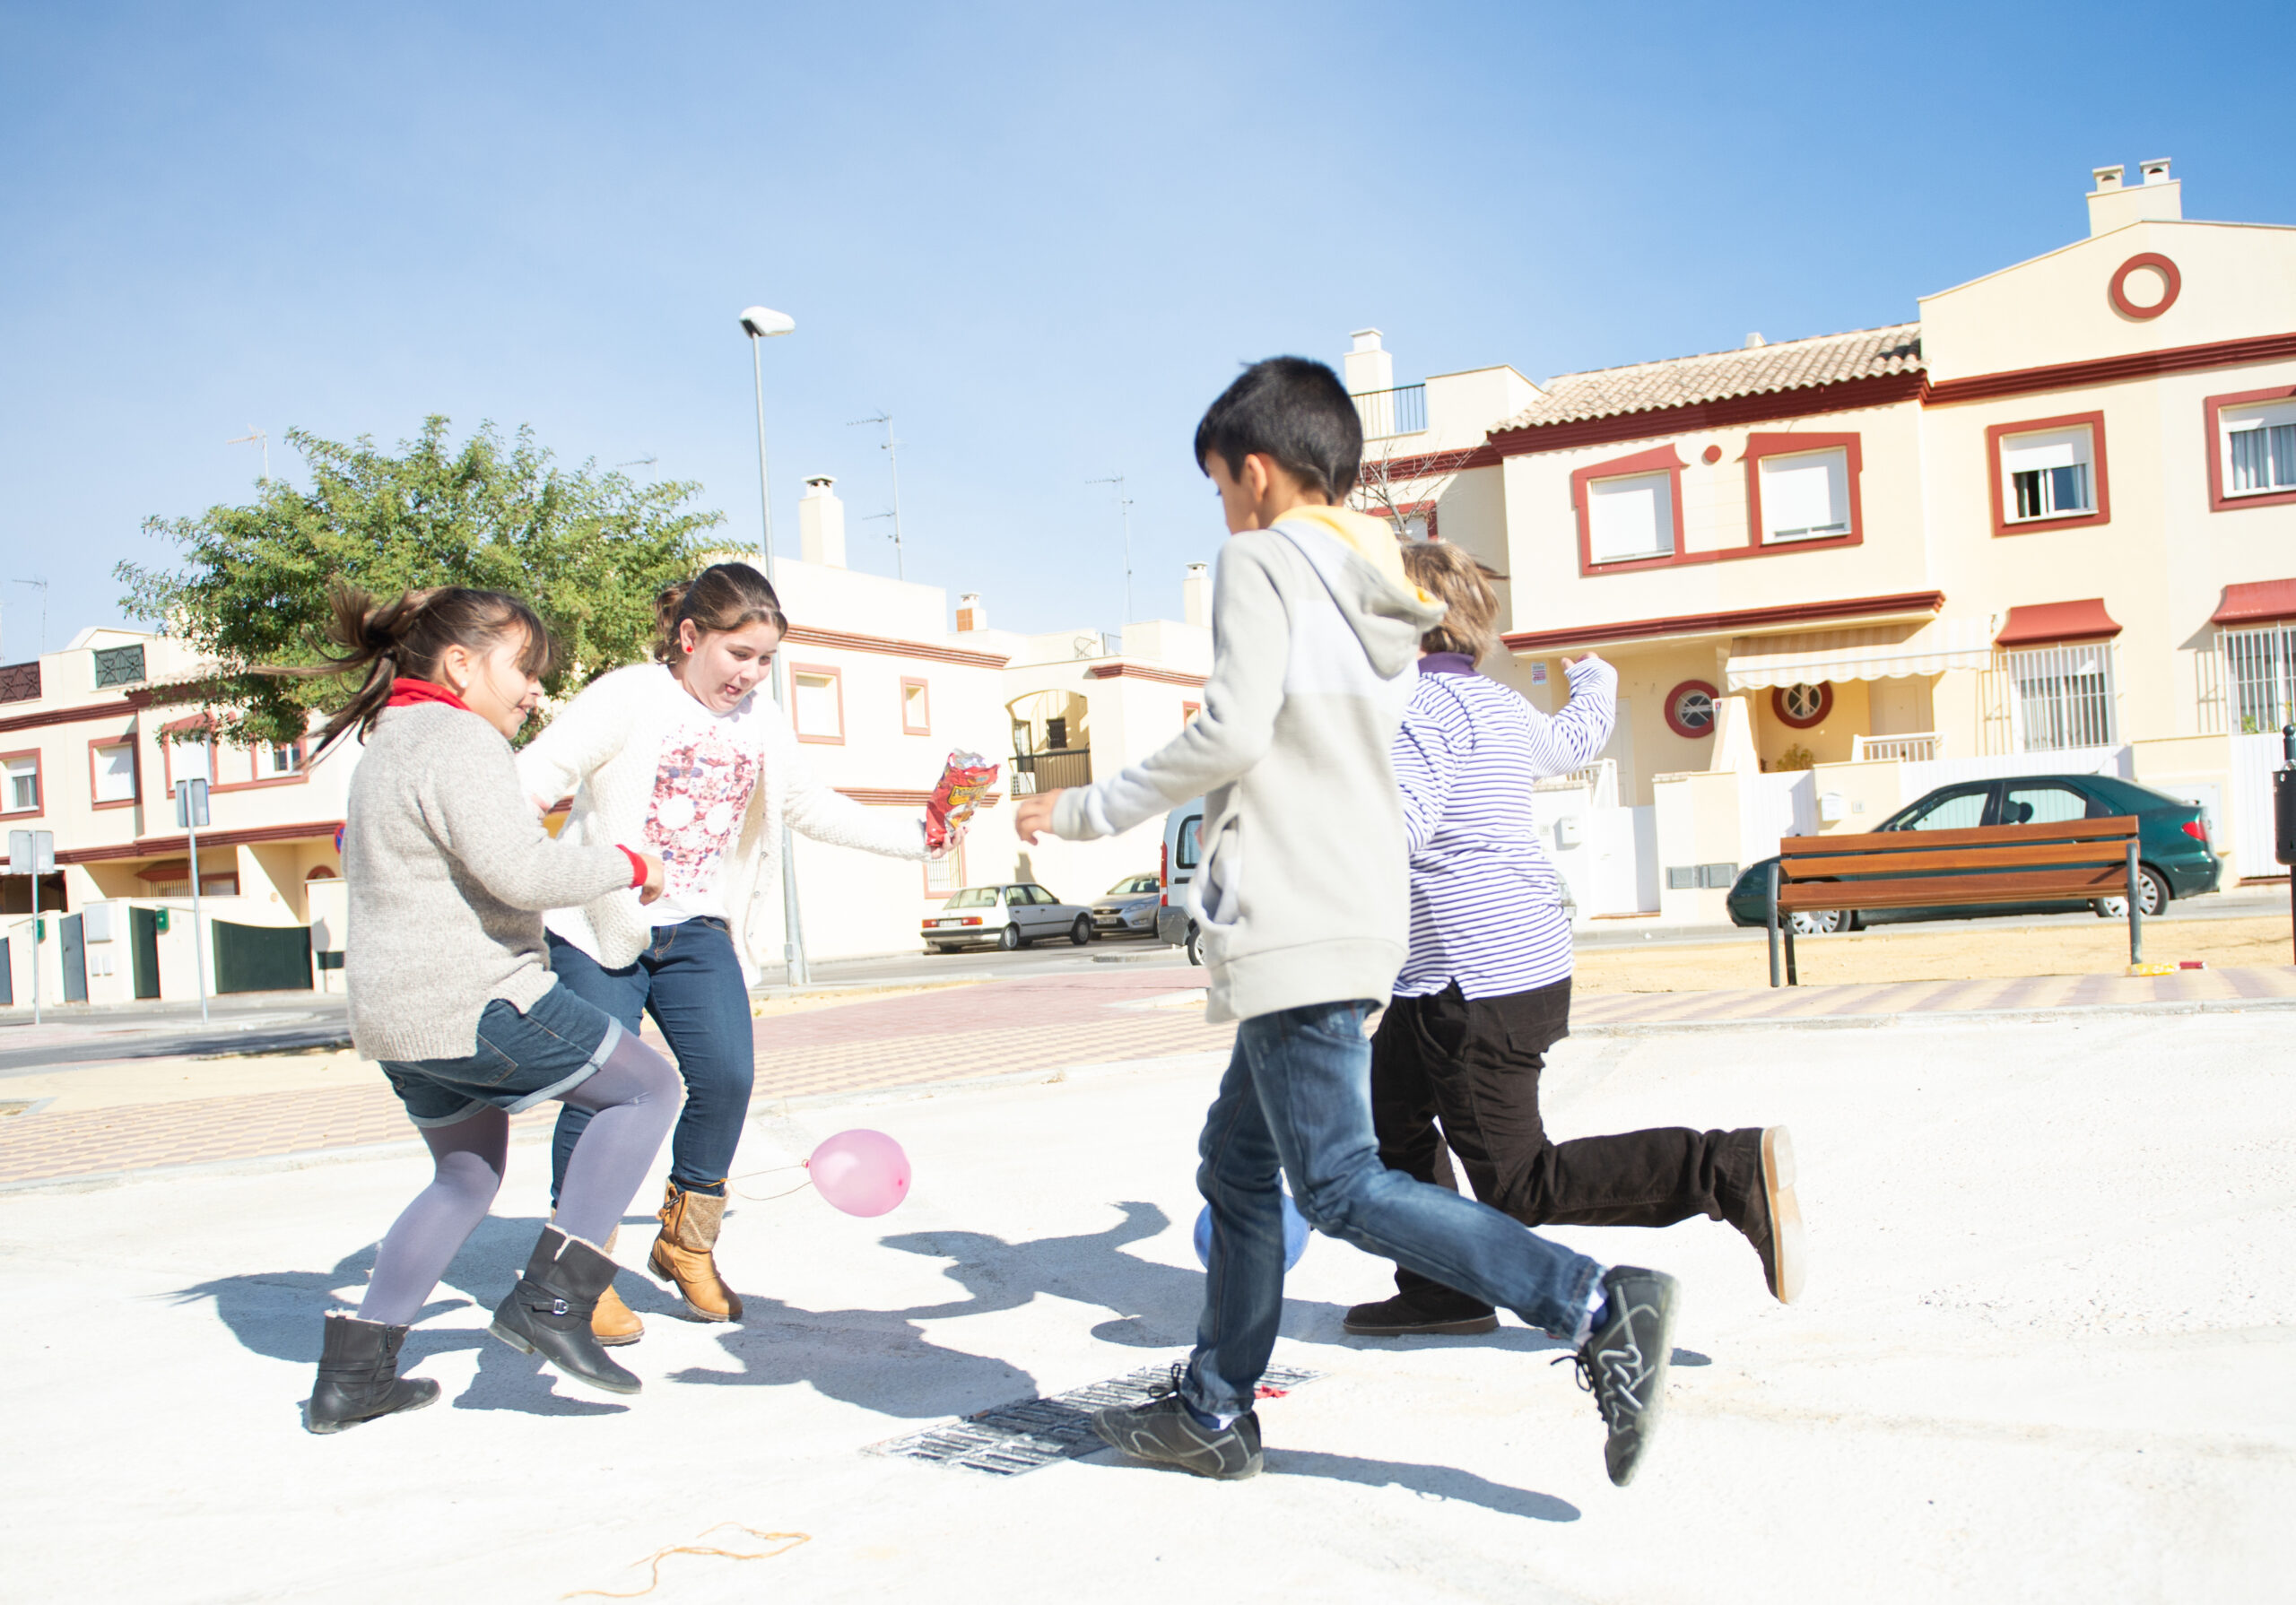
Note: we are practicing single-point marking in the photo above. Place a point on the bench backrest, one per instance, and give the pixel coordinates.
(2068, 859)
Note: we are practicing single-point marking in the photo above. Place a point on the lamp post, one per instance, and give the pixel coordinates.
(759, 323)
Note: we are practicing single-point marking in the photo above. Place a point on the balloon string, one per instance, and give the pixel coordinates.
(767, 1197)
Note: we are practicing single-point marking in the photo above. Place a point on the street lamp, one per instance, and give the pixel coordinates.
(759, 323)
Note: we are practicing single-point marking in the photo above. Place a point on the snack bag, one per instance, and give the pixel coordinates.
(967, 777)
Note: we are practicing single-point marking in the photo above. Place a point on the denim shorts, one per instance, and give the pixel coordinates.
(521, 1060)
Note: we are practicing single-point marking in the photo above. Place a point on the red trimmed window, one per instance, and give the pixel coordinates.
(2047, 474)
(916, 708)
(23, 794)
(1803, 487)
(2251, 448)
(1690, 710)
(1803, 707)
(1629, 509)
(111, 772)
(817, 702)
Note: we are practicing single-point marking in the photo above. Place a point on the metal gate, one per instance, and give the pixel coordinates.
(75, 958)
(143, 950)
(261, 957)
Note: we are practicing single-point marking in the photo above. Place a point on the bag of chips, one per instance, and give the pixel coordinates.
(963, 781)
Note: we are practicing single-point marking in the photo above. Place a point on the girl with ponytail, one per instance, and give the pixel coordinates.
(451, 990)
(686, 755)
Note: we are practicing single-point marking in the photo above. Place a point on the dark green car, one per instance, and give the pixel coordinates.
(2175, 858)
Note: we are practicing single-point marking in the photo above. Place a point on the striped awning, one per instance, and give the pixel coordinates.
(1879, 652)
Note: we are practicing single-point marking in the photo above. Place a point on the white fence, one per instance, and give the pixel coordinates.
(1924, 748)
(2254, 758)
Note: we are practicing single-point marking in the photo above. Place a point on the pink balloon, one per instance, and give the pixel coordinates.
(861, 1172)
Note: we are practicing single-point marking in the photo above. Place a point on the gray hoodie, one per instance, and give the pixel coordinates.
(1302, 895)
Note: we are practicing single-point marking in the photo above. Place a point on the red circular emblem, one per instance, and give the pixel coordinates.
(2171, 282)
(1690, 710)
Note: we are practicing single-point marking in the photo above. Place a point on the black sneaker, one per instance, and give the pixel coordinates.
(1623, 1362)
(1418, 1315)
(1163, 1430)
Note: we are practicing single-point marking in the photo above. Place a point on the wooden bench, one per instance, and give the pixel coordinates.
(1900, 869)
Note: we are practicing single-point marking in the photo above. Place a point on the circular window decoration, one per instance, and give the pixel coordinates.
(1801, 706)
(2171, 283)
(1710, 456)
(1690, 710)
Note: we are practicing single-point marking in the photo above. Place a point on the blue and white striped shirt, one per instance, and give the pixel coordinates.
(1486, 902)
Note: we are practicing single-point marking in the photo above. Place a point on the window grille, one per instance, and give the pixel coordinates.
(2062, 698)
(2261, 669)
(119, 665)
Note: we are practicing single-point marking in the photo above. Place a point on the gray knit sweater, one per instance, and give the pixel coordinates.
(448, 872)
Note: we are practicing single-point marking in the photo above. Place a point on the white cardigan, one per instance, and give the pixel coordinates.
(597, 752)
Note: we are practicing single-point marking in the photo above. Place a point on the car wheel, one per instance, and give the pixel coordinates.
(1819, 921)
(1009, 938)
(2151, 892)
(1081, 932)
(1194, 945)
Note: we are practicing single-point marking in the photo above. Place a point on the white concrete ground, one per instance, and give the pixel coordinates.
(2045, 1355)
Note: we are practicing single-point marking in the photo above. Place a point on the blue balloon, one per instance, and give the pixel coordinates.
(1295, 1234)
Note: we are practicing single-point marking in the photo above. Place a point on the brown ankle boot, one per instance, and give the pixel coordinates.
(682, 1253)
(614, 1323)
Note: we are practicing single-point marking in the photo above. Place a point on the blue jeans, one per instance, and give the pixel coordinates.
(1297, 1098)
(690, 981)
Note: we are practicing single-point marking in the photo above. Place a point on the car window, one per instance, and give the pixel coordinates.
(1185, 858)
(1144, 884)
(1037, 894)
(1016, 897)
(1956, 810)
(973, 896)
(2025, 802)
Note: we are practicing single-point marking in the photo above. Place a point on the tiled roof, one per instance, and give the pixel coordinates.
(1758, 370)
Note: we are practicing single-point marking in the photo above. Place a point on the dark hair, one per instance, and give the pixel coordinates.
(721, 597)
(1294, 410)
(1463, 585)
(406, 637)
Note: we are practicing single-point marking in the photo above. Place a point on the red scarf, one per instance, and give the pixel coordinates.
(407, 693)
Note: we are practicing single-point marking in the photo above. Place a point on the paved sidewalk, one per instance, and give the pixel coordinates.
(955, 1035)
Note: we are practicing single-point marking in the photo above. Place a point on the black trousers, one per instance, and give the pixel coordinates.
(1473, 1065)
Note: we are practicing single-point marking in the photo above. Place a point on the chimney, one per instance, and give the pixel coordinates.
(1369, 367)
(821, 524)
(970, 614)
(1754, 339)
(2115, 203)
(1195, 595)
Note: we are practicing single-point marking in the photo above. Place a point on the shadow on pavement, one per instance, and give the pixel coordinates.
(1428, 1482)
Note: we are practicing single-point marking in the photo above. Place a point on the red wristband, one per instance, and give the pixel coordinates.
(636, 868)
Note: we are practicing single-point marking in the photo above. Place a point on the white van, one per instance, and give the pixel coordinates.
(1175, 868)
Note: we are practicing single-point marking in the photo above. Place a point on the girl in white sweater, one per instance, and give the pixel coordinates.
(683, 756)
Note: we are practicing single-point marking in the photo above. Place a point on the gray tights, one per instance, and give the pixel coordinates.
(633, 1098)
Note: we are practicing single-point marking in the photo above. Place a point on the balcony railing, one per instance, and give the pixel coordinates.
(1034, 772)
(1402, 411)
(20, 682)
(1908, 748)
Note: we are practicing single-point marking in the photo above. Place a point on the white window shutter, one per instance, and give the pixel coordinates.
(2055, 448)
(1630, 517)
(1806, 494)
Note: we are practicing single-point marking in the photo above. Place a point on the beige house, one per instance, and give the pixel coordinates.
(2046, 525)
(88, 753)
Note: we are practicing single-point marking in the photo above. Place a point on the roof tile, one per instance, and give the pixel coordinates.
(1757, 370)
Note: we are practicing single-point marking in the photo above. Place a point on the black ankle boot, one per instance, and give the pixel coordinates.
(359, 1378)
(548, 1312)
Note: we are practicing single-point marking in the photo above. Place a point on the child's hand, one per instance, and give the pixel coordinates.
(656, 882)
(1034, 816)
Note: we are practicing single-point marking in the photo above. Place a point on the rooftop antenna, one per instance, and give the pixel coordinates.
(892, 460)
(41, 586)
(1124, 508)
(637, 463)
(259, 439)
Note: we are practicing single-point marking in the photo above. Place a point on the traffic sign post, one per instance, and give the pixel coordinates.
(191, 813)
(33, 853)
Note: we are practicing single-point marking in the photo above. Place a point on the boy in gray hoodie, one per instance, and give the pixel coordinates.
(1302, 900)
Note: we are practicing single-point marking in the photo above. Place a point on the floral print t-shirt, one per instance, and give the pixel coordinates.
(705, 770)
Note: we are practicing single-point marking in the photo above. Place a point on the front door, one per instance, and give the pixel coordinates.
(75, 960)
(143, 950)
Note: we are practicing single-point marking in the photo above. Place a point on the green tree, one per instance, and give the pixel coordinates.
(589, 550)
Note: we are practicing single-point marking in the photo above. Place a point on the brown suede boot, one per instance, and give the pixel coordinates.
(614, 1323)
(682, 1253)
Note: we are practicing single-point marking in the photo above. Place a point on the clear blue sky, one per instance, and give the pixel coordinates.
(1044, 236)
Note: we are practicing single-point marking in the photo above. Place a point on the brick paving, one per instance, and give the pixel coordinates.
(1002, 1028)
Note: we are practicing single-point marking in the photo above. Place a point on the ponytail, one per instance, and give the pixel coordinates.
(723, 596)
(405, 638)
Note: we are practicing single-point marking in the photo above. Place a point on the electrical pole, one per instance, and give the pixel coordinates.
(1124, 507)
(892, 460)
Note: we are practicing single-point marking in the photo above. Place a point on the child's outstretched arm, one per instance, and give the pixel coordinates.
(1251, 642)
(1568, 740)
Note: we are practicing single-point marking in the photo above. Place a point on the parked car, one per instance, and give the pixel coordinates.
(2174, 857)
(1128, 908)
(1009, 916)
(1175, 867)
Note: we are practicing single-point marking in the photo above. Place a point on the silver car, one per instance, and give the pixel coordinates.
(1128, 908)
(1009, 916)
